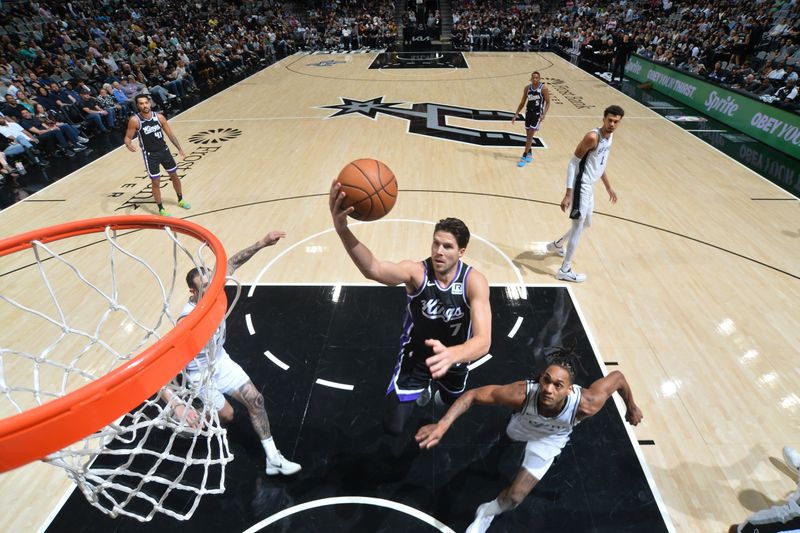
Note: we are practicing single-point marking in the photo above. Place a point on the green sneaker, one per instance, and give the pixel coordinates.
(184, 204)
(163, 213)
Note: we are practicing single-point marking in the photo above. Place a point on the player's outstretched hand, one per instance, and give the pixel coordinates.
(441, 360)
(338, 213)
(429, 436)
(273, 237)
(634, 415)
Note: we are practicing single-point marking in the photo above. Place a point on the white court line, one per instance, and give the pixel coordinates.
(353, 224)
(515, 328)
(334, 385)
(664, 107)
(360, 500)
(275, 360)
(249, 322)
(707, 131)
(479, 362)
(57, 509)
(621, 410)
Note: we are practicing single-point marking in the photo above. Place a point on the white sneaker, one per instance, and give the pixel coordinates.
(554, 248)
(281, 465)
(570, 276)
(792, 457)
(481, 522)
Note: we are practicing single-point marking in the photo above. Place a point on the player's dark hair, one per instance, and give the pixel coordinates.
(535, 72)
(614, 110)
(190, 277)
(457, 228)
(567, 359)
(141, 95)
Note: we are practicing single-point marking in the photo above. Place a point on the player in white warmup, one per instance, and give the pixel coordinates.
(586, 166)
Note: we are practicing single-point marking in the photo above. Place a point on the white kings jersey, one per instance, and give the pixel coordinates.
(218, 339)
(594, 162)
(546, 436)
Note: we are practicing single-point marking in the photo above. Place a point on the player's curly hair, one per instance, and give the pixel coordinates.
(567, 359)
(457, 228)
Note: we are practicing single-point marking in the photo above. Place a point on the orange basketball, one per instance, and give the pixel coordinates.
(370, 187)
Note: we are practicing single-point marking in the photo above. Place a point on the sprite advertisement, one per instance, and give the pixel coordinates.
(766, 123)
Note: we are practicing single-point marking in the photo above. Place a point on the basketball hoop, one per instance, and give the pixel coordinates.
(116, 434)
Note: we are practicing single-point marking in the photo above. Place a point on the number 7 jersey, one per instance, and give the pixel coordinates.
(437, 312)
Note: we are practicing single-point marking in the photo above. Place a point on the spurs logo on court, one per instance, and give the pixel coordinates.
(326, 63)
(215, 136)
(435, 309)
(432, 120)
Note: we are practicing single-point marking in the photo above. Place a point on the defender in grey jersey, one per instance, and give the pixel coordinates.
(150, 128)
(587, 165)
(448, 318)
(545, 411)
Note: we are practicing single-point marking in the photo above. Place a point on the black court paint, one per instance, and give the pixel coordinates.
(596, 485)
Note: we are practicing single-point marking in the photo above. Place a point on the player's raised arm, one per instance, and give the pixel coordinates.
(593, 398)
(512, 395)
(242, 256)
(408, 272)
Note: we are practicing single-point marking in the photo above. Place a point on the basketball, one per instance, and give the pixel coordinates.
(370, 187)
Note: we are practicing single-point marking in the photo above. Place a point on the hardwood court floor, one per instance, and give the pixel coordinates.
(692, 284)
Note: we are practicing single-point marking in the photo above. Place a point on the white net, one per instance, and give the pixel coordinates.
(77, 316)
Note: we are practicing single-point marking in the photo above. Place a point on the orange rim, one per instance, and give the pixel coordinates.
(35, 433)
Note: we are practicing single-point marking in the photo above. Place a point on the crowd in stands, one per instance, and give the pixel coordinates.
(69, 70)
(345, 25)
(753, 46)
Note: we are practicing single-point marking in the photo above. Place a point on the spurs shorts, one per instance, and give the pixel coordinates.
(228, 377)
(154, 160)
(535, 465)
(582, 205)
(412, 376)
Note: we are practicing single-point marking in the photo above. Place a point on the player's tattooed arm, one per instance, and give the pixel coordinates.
(243, 256)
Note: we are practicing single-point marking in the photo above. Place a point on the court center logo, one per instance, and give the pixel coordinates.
(215, 136)
(433, 120)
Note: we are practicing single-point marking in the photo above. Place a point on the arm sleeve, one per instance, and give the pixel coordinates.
(572, 171)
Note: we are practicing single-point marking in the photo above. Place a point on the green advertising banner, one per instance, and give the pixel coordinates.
(769, 124)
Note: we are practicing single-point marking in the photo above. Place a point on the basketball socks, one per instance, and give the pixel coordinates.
(160, 207)
(180, 197)
(270, 448)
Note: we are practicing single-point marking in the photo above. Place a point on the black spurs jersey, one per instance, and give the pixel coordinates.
(150, 133)
(535, 99)
(436, 312)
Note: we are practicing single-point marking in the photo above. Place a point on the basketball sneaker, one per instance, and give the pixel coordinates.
(281, 465)
(570, 275)
(522, 161)
(164, 213)
(529, 157)
(554, 248)
(184, 204)
(481, 522)
(792, 458)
